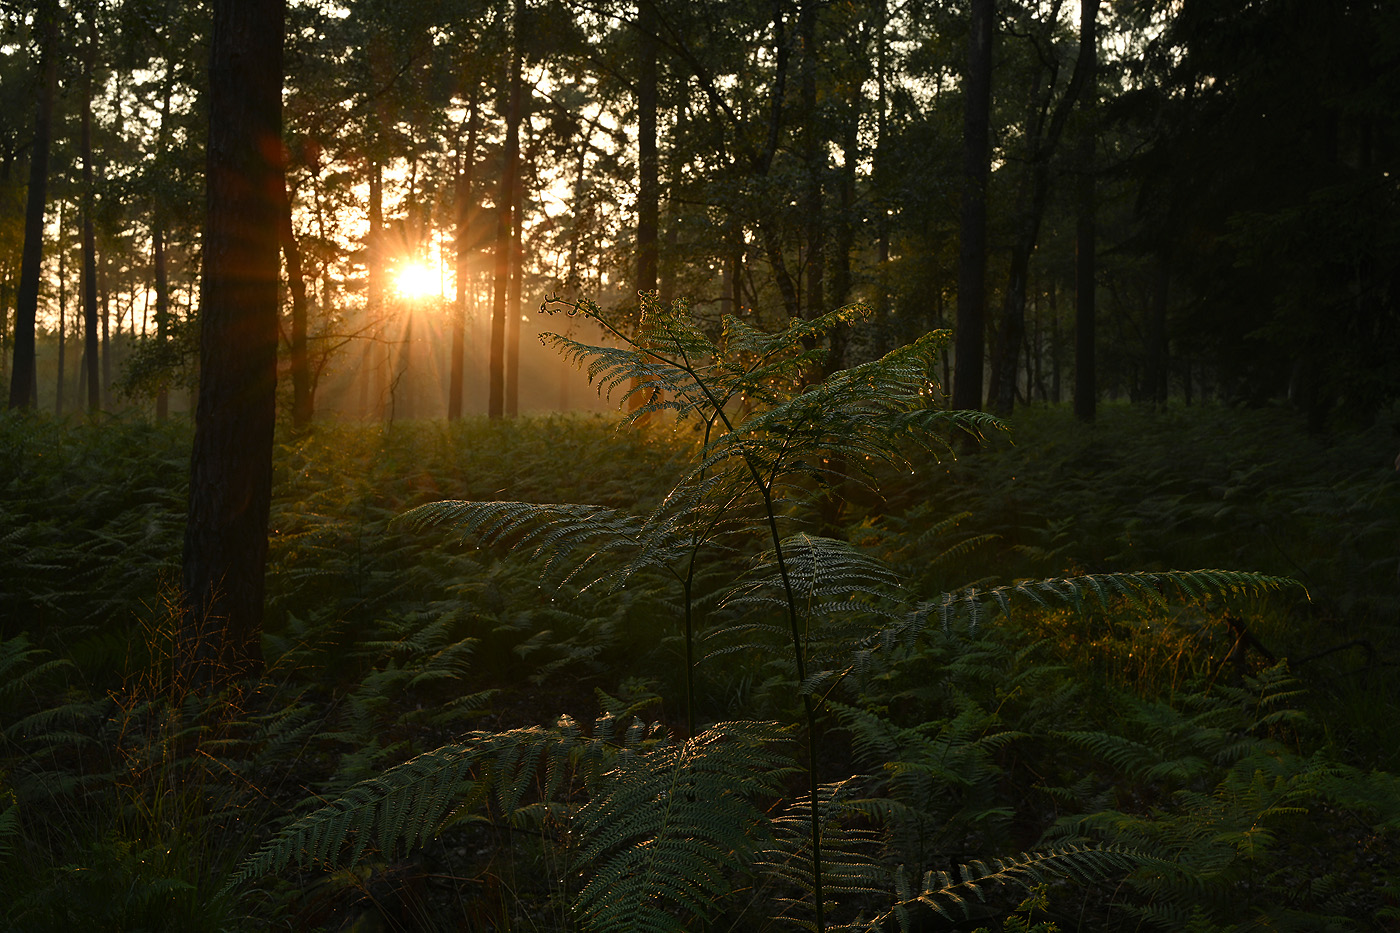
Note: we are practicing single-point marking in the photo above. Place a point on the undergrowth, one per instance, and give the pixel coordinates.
(1200, 764)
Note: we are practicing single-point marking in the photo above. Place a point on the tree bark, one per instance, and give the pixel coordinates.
(159, 269)
(1156, 368)
(648, 160)
(62, 309)
(94, 388)
(505, 207)
(1041, 149)
(1085, 366)
(972, 261)
(24, 373)
(466, 175)
(231, 464)
(513, 307)
(377, 350)
(303, 400)
(814, 163)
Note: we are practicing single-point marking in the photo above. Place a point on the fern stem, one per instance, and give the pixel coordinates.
(808, 709)
(689, 656)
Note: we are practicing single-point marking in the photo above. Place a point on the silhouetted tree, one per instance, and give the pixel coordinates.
(231, 464)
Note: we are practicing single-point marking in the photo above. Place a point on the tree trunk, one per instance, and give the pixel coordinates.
(1085, 369)
(24, 373)
(513, 307)
(94, 389)
(303, 402)
(162, 275)
(62, 309)
(972, 260)
(466, 175)
(377, 351)
(648, 160)
(814, 163)
(231, 464)
(1041, 149)
(505, 207)
(877, 172)
(105, 305)
(1156, 336)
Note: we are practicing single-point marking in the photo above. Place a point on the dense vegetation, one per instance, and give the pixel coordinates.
(1245, 743)
(802, 640)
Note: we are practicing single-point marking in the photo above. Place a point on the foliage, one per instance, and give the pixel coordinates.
(752, 471)
(1219, 789)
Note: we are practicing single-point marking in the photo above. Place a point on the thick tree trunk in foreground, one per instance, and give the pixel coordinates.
(231, 465)
(972, 262)
(24, 374)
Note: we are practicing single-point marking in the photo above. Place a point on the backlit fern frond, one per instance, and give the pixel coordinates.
(1140, 590)
(407, 804)
(571, 540)
(665, 829)
(819, 569)
(852, 873)
(956, 897)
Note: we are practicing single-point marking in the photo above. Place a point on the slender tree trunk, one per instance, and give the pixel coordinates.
(972, 261)
(516, 286)
(814, 162)
(377, 351)
(1055, 343)
(648, 160)
(1156, 336)
(877, 171)
(303, 401)
(466, 175)
(505, 206)
(94, 389)
(762, 162)
(62, 308)
(231, 464)
(105, 304)
(162, 275)
(1085, 369)
(1041, 149)
(24, 373)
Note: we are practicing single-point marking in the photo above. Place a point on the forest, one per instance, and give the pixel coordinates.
(644, 465)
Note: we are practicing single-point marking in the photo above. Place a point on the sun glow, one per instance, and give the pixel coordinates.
(415, 281)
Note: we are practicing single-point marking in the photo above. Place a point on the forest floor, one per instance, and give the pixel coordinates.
(1240, 747)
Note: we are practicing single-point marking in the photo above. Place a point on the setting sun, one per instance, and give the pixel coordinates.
(415, 280)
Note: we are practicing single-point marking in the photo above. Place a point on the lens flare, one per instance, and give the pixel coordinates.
(414, 280)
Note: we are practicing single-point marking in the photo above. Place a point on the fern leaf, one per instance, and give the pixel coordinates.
(665, 827)
(1141, 590)
(954, 898)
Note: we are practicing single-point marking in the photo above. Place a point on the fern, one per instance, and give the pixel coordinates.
(665, 830)
(1139, 590)
(409, 803)
(957, 896)
(848, 854)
